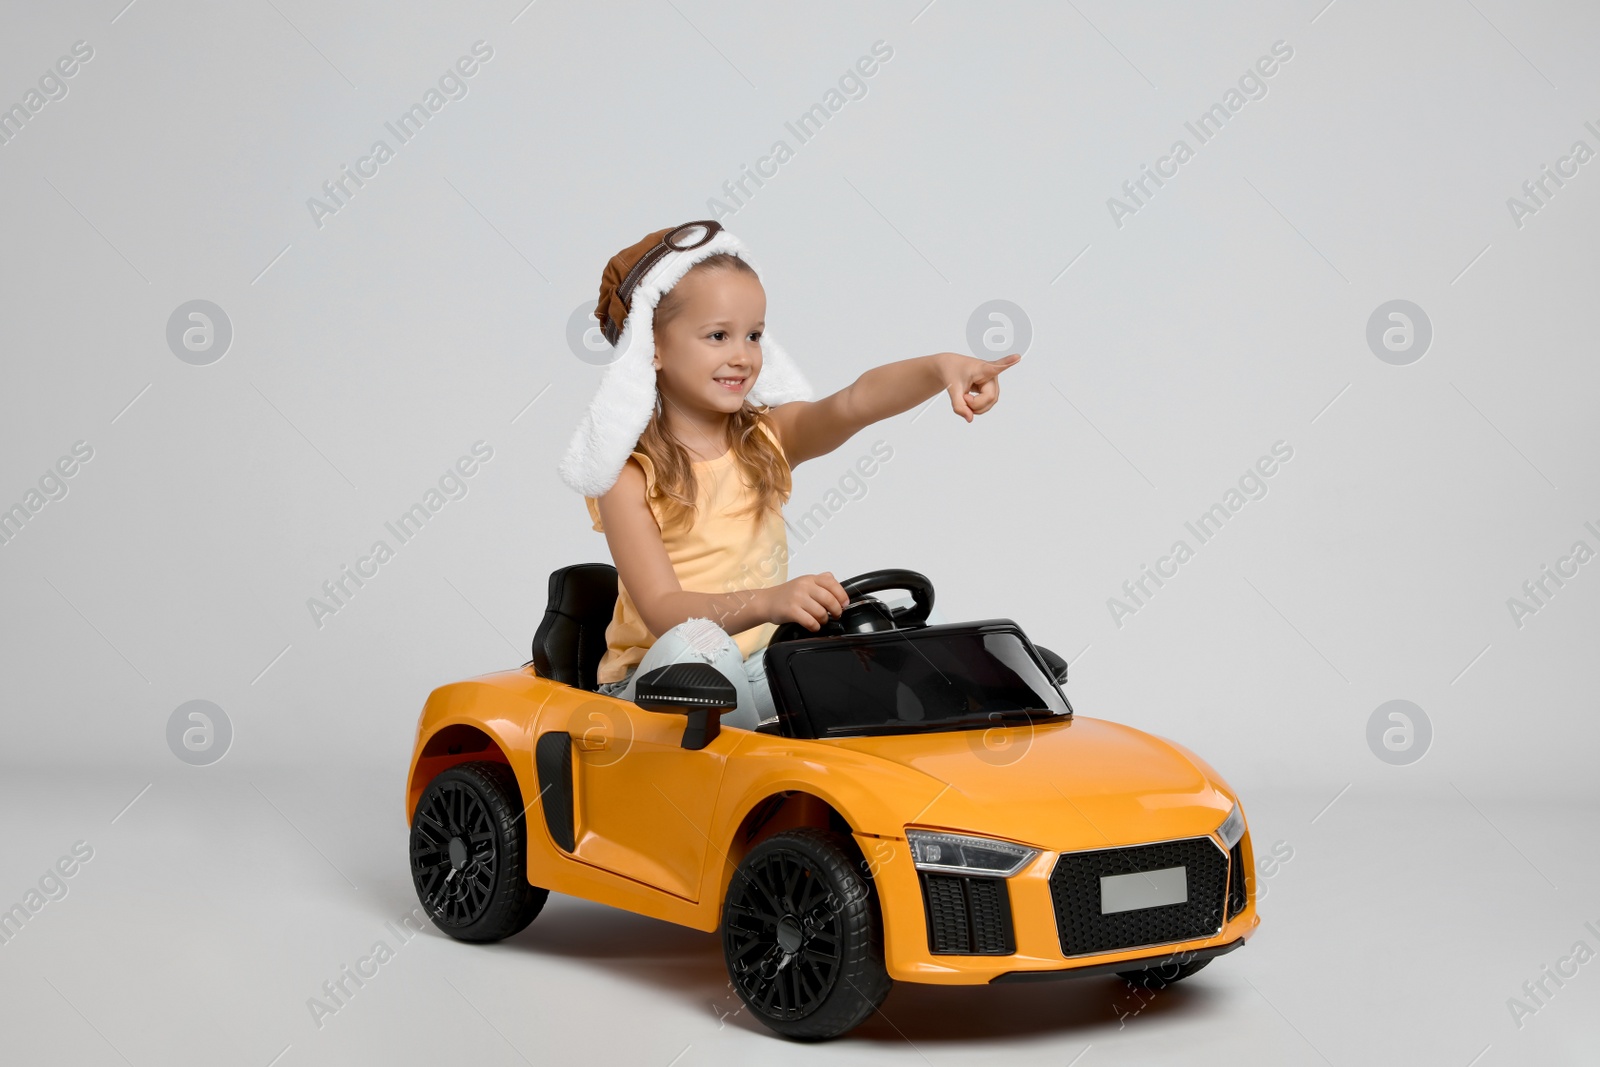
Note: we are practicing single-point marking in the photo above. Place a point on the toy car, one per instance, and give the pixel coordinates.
(927, 808)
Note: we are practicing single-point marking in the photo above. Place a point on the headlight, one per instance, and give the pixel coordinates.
(1232, 827)
(960, 854)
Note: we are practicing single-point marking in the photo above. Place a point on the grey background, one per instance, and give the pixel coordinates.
(1168, 354)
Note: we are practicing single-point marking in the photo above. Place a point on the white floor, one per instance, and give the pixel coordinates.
(215, 907)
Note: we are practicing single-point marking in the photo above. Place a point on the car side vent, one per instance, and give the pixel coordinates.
(1238, 889)
(552, 758)
(967, 916)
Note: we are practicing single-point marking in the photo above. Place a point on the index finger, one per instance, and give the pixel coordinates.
(1004, 362)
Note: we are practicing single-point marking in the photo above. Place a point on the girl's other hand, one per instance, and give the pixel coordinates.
(808, 600)
(974, 384)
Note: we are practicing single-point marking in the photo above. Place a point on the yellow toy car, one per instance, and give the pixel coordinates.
(927, 808)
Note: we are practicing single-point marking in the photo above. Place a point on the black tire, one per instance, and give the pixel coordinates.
(469, 856)
(1161, 977)
(803, 936)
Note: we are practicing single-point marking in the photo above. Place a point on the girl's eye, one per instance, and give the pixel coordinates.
(717, 335)
(755, 335)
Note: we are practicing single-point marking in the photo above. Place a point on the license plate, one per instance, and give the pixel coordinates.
(1144, 889)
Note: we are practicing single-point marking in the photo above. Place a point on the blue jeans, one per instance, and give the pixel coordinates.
(701, 640)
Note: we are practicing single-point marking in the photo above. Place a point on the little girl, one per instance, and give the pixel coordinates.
(684, 455)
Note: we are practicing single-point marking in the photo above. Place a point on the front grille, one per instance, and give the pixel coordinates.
(1075, 891)
(1238, 890)
(967, 916)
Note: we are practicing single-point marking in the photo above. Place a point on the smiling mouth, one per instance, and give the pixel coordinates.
(730, 383)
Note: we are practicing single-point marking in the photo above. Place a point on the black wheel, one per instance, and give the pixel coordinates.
(1161, 977)
(469, 858)
(803, 936)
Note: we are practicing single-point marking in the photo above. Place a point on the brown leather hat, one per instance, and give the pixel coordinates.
(624, 270)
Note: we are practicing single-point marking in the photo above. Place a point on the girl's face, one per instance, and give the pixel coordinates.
(709, 353)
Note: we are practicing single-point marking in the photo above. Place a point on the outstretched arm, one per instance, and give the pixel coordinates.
(812, 428)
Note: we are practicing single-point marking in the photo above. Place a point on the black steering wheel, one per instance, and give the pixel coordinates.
(867, 614)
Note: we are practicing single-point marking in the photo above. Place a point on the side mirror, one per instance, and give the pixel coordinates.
(1057, 665)
(697, 690)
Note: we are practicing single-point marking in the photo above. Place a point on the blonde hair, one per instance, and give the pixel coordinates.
(753, 451)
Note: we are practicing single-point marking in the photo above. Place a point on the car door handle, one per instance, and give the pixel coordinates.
(592, 742)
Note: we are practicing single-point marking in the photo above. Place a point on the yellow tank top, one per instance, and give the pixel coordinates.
(718, 553)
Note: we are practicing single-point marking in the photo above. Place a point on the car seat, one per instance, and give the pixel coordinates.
(571, 637)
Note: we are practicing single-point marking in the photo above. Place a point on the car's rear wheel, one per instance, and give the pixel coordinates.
(803, 936)
(1161, 977)
(469, 858)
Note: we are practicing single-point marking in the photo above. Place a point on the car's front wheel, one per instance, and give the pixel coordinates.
(803, 936)
(469, 858)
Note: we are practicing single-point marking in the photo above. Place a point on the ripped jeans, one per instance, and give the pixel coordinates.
(705, 641)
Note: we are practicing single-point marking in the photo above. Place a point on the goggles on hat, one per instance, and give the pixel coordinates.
(689, 236)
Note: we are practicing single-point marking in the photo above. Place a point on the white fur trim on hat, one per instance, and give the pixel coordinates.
(621, 407)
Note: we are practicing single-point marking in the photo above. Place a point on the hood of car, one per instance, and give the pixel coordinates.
(1079, 784)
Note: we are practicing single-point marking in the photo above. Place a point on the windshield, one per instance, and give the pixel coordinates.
(920, 681)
